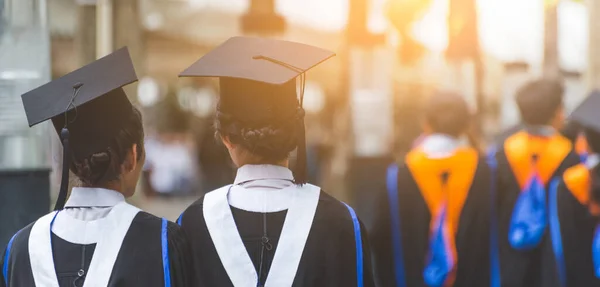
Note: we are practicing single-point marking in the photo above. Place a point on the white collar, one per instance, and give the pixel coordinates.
(90, 197)
(592, 161)
(439, 145)
(251, 172)
(541, 130)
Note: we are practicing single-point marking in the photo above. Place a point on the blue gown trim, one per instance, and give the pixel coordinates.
(392, 188)
(583, 156)
(6, 257)
(596, 251)
(494, 252)
(359, 249)
(555, 232)
(165, 253)
(179, 219)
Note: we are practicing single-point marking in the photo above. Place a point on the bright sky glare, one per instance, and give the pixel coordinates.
(510, 30)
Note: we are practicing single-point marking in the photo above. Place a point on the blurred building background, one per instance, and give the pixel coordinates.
(363, 106)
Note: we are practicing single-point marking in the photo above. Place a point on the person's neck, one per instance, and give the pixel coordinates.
(116, 186)
(284, 163)
(540, 130)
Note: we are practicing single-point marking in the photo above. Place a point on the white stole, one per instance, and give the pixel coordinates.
(114, 228)
(230, 247)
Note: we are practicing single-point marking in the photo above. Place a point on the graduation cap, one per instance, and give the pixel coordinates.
(87, 108)
(586, 114)
(257, 79)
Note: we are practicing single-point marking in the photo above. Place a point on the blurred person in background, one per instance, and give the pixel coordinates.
(525, 162)
(572, 254)
(576, 134)
(95, 238)
(432, 224)
(215, 164)
(270, 227)
(171, 168)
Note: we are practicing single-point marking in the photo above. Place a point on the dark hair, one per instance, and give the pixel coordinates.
(271, 141)
(593, 140)
(447, 113)
(538, 101)
(105, 166)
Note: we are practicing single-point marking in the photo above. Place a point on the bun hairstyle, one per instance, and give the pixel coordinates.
(267, 120)
(104, 166)
(271, 139)
(593, 139)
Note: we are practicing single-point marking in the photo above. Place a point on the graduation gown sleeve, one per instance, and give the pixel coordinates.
(381, 241)
(576, 226)
(180, 259)
(2, 280)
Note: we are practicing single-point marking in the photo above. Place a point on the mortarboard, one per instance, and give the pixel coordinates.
(257, 79)
(87, 108)
(586, 114)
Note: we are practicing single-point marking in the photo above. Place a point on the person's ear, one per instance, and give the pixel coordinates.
(227, 142)
(131, 160)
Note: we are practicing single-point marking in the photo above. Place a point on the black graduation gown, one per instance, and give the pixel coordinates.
(472, 234)
(577, 226)
(328, 259)
(524, 268)
(139, 262)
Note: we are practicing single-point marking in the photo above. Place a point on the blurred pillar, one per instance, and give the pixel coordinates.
(463, 47)
(551, 65)
(262, 19)
(24, 65)
(85, 39)
(127, 30)
(593, 71)
(104, 28)
(369, 91)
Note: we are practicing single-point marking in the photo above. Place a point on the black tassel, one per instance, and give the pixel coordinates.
(64, 182)
(300, 171)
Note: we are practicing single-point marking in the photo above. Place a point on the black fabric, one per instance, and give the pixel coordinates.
(247, 223)
(586, 114)
(255, 103)
(139, 262)
(577, 227)
(329, 257)
(518, 268)
(258, 59)
(93, 96)
(472, 238)
(66, 264)
(19, 256)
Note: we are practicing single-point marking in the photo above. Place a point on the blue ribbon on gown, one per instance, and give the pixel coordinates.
(583, 156)
(596, 251)
(442, 259)
(530, 216)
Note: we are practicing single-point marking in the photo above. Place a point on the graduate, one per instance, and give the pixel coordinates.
(524, 163)
(574, 211)
(432, 226)
(95, 238)
(269, 227)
